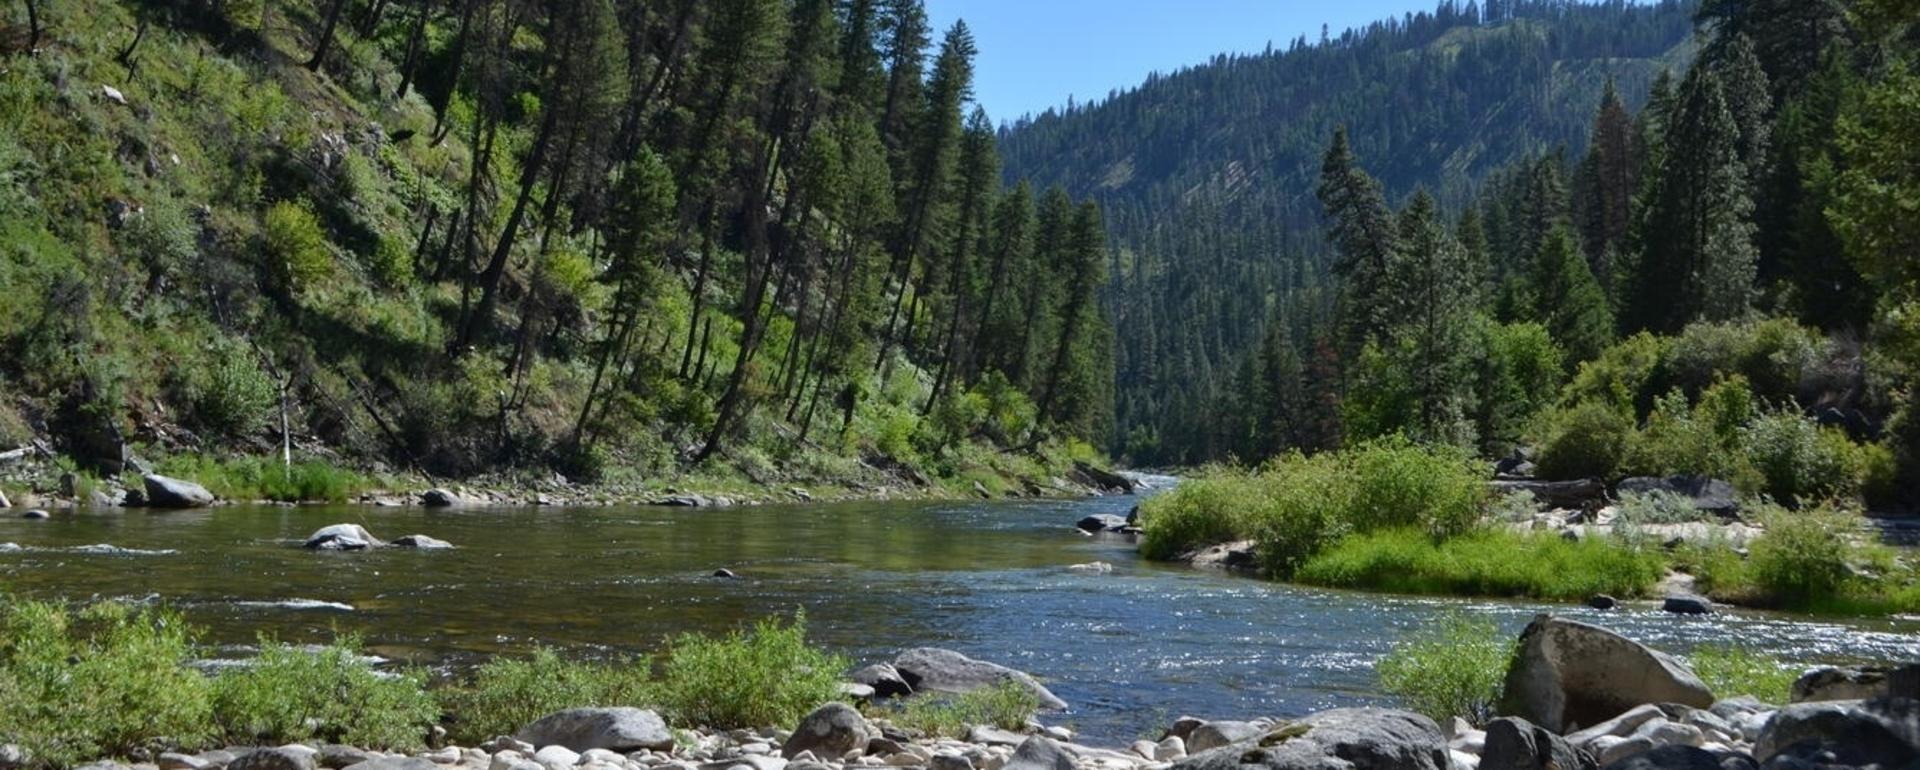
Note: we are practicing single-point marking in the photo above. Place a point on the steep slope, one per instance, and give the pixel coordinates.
(1207, 175)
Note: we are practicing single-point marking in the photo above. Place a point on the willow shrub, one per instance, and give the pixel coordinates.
(105, 680)
(507, 694)
(1451, 668)
(1005, 705)
(764, 677)
(1489, 562)
(289, 694)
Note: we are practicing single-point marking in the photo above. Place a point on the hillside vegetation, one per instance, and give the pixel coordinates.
(608, 238)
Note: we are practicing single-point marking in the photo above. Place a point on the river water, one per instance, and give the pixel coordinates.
(1129, 650)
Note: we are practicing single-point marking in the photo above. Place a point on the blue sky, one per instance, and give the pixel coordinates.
(1034, 53)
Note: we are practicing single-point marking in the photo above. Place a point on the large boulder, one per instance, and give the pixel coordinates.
(937, 670)
(1040, 753)
(1342, 739)
(1569, 674)
(440, 497)
(1707, 494)
(272, 759)
(1883, 732)
(1101, 479)
(1830, 683)
(614, 729)
(1680, 758)
(422, 543)
(341, 537)
(167, 492)
(1101, 522)
(1516, 744)
(1213, 735)
(884, 679)
(830, 732)
(1576, 493)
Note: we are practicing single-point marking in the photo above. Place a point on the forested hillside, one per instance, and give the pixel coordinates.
(594, 236)
(1207, 175)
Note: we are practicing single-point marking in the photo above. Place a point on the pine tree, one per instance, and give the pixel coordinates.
(1568, 300)
(1361, 228)
(1604, 189)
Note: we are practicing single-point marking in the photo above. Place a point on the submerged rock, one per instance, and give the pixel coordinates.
(165, 492)
(1101, 522)
(1570, 673)
(938, 670)
(1341, 739)
(422, 542)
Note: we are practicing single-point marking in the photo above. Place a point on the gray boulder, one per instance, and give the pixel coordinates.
(1602, 602)
(1516, 744)
(341, 537)
(1040, 753)
(614, 729)
(1710, 495)
(422, 542)
(164, 492)
(1679, 758)
(1569, 674)
(1341, 739)
(440, 497)
(884, 679)
(36, 513)
(1687, 604)
(1560, 494)
(395, 763)
(272, 759)
(334, 756)
(1830, 683)
(1883, 732)
(1101, 522)
(1213, 735)
(830, 732)
(937, 670)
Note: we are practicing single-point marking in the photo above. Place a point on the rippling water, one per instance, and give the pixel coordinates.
(1130, 650)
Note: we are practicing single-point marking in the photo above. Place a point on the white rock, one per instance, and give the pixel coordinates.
(601, 755)
(1620, 726)
(447, 756)
(1457, 727)
(1471, 742)
(1145, 748)
(505, 759)
(1057, 732)
(114, 95)
(1169, 749)
(1465, 761)
(556, 756)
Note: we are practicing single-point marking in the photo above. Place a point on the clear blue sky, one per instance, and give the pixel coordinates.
(1035, 53)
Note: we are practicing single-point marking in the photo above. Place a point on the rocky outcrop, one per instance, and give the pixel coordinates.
(166, 492)
(616, 729)
(1237, 555)
(931, 669)
(1568, 674)
(830, 732)
(341, 537)
(1516, 744)
(1883, 732)
(1342, 739)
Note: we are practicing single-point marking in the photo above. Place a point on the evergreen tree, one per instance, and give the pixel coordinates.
(1568, 300)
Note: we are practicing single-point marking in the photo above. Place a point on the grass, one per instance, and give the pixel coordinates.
(1452, 668)
(506, 694)
(1005, 705)
(1486, 562)
(761, 677)
(265, 478)
(332, 694)
(1816, 561)
(1729, 670)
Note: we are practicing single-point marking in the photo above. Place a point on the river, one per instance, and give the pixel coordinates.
(1130, 649)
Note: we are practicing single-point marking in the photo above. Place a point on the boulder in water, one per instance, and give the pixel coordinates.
(1569, 673)
(1687, 604)
(440, 497)
(1341, 739)
(341, 537)
(934, 669)
(422, 542)
(615, 729)
(1101, 522)
(165, 492)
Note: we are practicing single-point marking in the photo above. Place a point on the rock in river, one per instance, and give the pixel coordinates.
(1101, 522)
(1568, 673)
(1341, 739)
(830, 731)
(938, 670)
(165, 492)
(1687, 604)
(422, 542)
(439, 497)
(616, 729)
(341, 537)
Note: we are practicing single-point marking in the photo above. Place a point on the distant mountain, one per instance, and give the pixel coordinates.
(1207, 175)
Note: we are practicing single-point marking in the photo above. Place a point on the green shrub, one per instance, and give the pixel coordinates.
(1006, 705)
(1490, 562)
(329, 694)
(1451, 668)
(765, 677)
(298, 246)
(107, 680)
(229, 394)
(1587, 440)
(1731, 671)
(1622, 377)
(1772, 354)
(1659, 507)
(506, 694)
(1216, 505)
(1440, 489)
(267, 478)
(1802, 462)
(1804, 557)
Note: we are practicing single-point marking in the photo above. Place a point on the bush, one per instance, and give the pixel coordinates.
(1588, 440)
(1217, 505)
(329, 694)
(298, 246)
(229, 394)
(107, 680)
(267, 478)
(1659, 507)
(1805, 557)
(765, 677)
(1452, 668)
(1801, 462)
(1731, 671)
(1440, 489)
(506, 694)
(1491, 562)
(1772, 354)
(1006, 705)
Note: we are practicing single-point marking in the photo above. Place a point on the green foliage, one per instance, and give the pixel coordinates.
(1658, 507)
(759, 678)
(1802, 462)
(1451, 668)
(1587, 440)
(227, 391)
(266, 478)
(1006, 705)
(301, 254)
(1487, 562)
(506, 694)
(329, 694)
(1805, 557)
(106, 680)
(1730, 670)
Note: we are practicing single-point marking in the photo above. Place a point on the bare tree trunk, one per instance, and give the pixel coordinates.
(326, 35)
(33, 25)
(411, 63)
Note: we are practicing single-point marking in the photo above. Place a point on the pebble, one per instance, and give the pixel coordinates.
(447, 756)
(556, 757)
